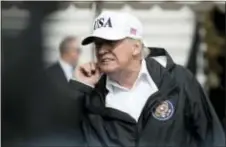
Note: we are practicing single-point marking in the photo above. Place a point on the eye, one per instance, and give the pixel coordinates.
(98, 45)
(111, 43)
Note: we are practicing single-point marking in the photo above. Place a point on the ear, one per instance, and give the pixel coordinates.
(136, 48)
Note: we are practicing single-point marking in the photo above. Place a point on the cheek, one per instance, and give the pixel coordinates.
(75, 55)
(124, 57)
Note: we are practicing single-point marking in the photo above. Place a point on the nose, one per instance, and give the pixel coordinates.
(103, 49)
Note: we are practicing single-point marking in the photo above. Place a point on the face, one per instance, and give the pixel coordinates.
(113, 56)
(73, 52)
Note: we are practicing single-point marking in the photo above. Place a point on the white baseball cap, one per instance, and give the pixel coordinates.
(111, 25)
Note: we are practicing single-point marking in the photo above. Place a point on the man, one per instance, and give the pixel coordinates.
(136, 101)
(61, 72)
(64, 114)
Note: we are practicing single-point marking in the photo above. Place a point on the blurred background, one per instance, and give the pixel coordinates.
(193, 32)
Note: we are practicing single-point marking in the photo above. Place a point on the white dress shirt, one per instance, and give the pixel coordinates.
(131, 101)
(67, 68)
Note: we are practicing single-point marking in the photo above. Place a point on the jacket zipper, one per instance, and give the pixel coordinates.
(137, 136)
(137, 127)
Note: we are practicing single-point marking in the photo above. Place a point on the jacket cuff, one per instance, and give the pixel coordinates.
(80, 86)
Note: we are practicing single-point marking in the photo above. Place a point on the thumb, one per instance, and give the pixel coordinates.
(97, 72)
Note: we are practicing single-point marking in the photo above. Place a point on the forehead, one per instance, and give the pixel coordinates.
(73, 42)
(100, 40)
(73, 45)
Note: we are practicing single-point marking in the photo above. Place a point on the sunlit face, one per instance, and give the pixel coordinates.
(113, 56)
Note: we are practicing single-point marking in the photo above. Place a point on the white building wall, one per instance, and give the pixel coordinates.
(71, 21)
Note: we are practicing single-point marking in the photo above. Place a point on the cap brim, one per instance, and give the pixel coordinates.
(103, 34)
(88, 40)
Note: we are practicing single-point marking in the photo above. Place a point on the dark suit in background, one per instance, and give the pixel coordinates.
(65, 116)
(56, 73)
(66, 112)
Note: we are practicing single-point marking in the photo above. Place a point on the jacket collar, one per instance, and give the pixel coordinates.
(157, 52)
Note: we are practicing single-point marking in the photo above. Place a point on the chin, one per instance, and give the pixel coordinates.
(108, 69)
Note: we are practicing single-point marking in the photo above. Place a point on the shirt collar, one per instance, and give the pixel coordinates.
(67, 68)
(110, 84)
(65, 65)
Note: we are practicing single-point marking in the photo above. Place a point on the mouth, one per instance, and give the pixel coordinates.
(105, 60)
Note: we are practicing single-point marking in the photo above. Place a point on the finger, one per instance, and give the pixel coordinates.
(98, 72)
(92, 66)
(86, 70)
(98, 69)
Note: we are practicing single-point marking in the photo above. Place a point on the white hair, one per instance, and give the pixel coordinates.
(145, 52)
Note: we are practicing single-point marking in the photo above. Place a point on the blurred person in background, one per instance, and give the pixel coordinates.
(64, 110)
(137, 101)
(61, 72)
